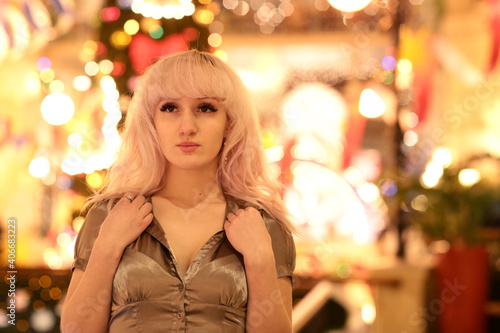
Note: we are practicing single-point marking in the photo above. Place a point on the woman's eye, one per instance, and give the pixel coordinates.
(168, 107)
(207, 108)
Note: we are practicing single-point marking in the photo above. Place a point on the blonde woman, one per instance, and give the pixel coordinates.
(189, 234)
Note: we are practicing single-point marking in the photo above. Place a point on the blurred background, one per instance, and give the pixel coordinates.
(381, 117)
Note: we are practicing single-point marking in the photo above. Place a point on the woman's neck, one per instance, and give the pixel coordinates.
(187, 188)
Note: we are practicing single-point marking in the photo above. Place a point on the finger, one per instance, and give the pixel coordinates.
(146, 209)
(148, 218)
(129, 196)
(139, 201)
(239, 211)
(227, 224)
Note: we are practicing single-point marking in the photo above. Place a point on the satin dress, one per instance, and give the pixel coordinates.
(149, 295)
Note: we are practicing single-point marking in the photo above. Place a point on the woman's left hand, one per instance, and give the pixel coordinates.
(247, 232)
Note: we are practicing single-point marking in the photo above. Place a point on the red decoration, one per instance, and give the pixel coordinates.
(143, 50)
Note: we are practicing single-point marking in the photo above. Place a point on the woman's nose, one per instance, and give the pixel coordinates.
(188, 123)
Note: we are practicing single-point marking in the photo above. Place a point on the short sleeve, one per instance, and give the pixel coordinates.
(283, 246)
(87, 235)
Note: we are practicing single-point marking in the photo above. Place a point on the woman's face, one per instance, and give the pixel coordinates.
(191, 131)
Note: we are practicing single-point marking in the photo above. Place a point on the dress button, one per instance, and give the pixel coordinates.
(180, 315)
(181, 287)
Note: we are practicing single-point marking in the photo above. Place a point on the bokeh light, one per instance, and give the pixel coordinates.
(63, 239)
(420, 203)
(442, 156)
(82, 83)
(349, 6)
(405, 66)
(216, 27)
(131, 27)
(75, 140)
(105, 66)
(91, 68)
(469, 177)
(22, 325)
(39, 167)
(94, 180)
(242, 8)
(43, 63)
(215, 40)
(371, 105)
(45, 281)
(368, 192)
(56, 86)
(156, 31)
(120, 39)
(32, 82)
(410, 119)
(410, 138)
(432, 175)
(389, 188)
(368, 313)
(168, 11)
(389, 63)
(204, 16)
(221, 54)
(47, 75)
(110, 14)
(43, 321)
(57, 109)
(77, 223)
(274, 154)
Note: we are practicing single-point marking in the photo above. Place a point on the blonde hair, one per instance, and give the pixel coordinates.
(243, 171)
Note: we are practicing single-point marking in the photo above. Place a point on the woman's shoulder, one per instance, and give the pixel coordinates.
(96, 214)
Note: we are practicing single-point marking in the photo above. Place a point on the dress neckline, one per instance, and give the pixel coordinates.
(155, 230)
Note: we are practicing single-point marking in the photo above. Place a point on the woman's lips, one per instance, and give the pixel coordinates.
(188, 147)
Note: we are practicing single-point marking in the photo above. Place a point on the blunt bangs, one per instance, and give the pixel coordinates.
(192, 74)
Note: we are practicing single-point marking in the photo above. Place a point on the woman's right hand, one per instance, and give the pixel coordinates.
(126, 221)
